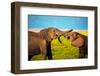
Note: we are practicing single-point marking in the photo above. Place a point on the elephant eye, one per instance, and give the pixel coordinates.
(64, 36)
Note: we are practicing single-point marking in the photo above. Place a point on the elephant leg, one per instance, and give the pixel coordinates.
(44, 54)
(81, 53)
(43, 49)
(49, 52)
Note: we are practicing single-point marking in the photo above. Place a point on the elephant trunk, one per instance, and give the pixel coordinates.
(59, 39)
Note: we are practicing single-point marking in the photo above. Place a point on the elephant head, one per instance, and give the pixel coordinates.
(71, 36)
(50, 33)
(78, 40)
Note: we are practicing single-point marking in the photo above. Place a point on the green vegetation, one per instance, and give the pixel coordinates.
(62, 51)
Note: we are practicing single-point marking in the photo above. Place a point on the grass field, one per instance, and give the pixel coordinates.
(62, 51)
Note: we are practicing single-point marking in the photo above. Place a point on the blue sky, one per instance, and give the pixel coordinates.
(62, 22)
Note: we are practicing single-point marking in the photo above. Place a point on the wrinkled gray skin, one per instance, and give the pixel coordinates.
(40, 43)
(78, 40)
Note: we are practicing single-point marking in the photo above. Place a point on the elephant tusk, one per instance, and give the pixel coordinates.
(59, 39)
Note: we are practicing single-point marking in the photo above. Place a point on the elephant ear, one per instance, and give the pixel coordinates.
(48, 35)
(44, 35)
(79, 42)
(73, 36)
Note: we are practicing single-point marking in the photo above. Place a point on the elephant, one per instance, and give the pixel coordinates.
(40, 43)
(77, 40)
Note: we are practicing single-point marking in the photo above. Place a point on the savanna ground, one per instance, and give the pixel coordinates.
(62, 51)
